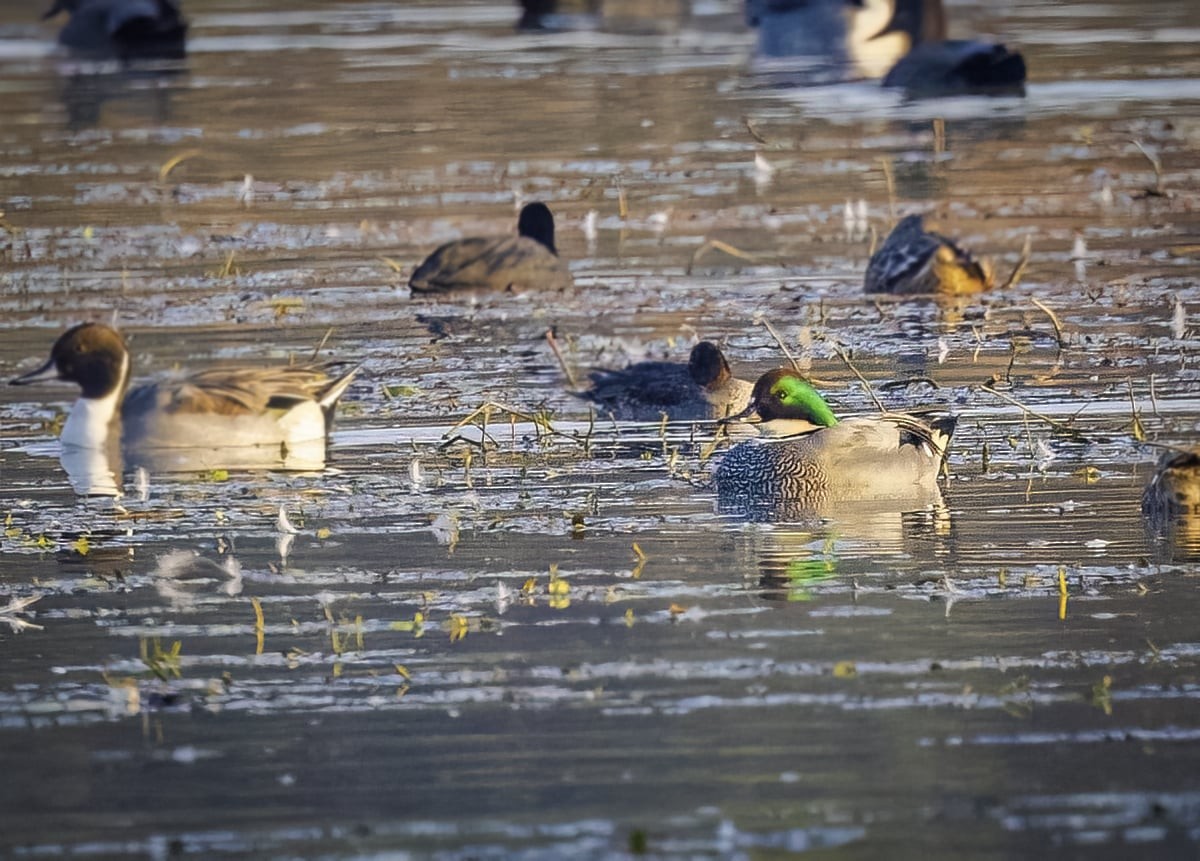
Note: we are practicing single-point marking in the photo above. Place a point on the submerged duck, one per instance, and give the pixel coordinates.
(704, 388)
(812, 458)
(902, 41)
(221, 408)
(122, 29)
(915, 260)
(526, 261)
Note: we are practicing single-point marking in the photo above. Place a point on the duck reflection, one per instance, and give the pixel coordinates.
(99, 472)
(143, 91)
(795, 559)
(93, 471)
(1171, 507)
(184, 578)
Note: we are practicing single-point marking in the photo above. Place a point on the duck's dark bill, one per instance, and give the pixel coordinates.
(46, 372)
(747, 416)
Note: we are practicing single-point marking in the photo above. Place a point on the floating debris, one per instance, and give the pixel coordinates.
(283, 525)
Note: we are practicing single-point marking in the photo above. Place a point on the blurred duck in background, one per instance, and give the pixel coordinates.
(618, 16)
(126, 30)
(901, 41)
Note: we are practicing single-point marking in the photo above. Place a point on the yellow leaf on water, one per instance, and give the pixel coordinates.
(845, 670)
(676, 610)
(218, 475)
(629, 618)
(323, 533)
(458, 627)
(81, 545)
(528, 587)
(1138, 431)
(403, 671)
(89, 233)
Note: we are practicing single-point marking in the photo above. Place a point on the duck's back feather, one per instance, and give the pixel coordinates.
(236, 405)
(958, 66)
(511, 263)
(889, 457)
(643, 392)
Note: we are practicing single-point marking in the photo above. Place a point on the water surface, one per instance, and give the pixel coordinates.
(546, 644)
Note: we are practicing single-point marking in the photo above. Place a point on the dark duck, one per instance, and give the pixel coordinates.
(902, 41)
(127, 30)
(643, 17)
(527, 261)
(703, 389)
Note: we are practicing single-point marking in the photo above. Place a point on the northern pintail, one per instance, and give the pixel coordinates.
(527, 261)
(223, 408)
(808, 456)
(915, 260)
(704, 388)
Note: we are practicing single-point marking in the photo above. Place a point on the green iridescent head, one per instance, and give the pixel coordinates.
(785, 395)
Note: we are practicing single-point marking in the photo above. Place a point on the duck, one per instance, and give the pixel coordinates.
(902, 42)
(225, 408)
(703, 389)
(806, 457)
(1171, 506)
(1174, 491)
(122, 29)
(638, 17)
(527, 261)
(915, 260)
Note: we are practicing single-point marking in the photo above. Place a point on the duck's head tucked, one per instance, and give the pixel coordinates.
(537, 222)
(783, 404)
(90, 354)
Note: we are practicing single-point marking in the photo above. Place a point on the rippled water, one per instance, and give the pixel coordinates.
(547, 643)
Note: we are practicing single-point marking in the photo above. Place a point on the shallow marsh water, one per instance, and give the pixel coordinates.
(875, 683)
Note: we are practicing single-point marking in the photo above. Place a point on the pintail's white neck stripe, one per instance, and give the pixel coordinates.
(92, 419)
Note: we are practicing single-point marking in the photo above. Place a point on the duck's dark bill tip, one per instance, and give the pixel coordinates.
(748, 416)
(43, 374)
